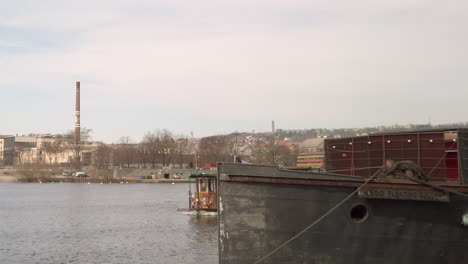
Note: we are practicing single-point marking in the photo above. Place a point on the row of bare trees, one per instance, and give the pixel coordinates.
(271, 153)
(266, 151)
(163, 148)
(158, 148)
(219, 148)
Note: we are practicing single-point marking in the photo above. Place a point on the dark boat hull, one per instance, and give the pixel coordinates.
(259, 212)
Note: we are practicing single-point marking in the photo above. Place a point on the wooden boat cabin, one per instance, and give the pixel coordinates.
(204, 197)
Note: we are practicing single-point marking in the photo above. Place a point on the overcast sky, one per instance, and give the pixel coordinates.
(219, 66)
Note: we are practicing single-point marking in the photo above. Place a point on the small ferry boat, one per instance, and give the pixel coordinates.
(204, 196)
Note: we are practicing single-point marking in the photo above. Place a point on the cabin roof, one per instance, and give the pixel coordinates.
(199, 175)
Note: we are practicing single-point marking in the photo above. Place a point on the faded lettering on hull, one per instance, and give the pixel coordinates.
(404, 195)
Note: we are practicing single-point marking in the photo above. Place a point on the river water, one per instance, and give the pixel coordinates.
(108, 223)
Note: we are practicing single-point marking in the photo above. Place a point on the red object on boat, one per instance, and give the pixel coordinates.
(435, 152)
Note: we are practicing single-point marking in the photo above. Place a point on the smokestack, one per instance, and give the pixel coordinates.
(273, 130)
(77, 114)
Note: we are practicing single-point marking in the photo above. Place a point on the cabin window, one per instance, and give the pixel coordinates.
(202, 185)
(212, 185)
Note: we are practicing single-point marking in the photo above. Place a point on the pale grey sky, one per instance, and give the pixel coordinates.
(218, 66)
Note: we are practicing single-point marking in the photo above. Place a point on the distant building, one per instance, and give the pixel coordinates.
(7, 147)
(290, 144)
(311, 153)
(312, 145)
(25, 151)
(26, 141)
(50, 149)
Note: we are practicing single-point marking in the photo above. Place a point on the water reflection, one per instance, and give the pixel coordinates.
(204, 220)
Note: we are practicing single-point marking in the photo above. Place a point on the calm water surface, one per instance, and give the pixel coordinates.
(109, 223)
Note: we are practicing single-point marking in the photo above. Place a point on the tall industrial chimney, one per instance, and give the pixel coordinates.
(77, 114)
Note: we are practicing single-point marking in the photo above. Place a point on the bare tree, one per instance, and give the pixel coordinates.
(271, 153)
(102, 157)
(142, 158)
(151, 142)
(214, 149)
(19, 153)
(167, 146)
(234, 143)
(52, 149)
(159, 145)
(182, 150)
(76, 147)
(125, 152)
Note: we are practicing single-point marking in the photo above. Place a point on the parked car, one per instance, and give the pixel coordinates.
(81, 174)
(66, 174)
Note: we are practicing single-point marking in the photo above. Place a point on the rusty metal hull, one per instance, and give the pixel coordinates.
(261, 207)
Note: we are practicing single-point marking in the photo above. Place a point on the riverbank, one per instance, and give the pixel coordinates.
(17, 179)
(53, 174)
(5, 178)
(123, 180)
(8, 175)
(11, 175)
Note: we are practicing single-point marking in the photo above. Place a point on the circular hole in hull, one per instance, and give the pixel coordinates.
(359, 213)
